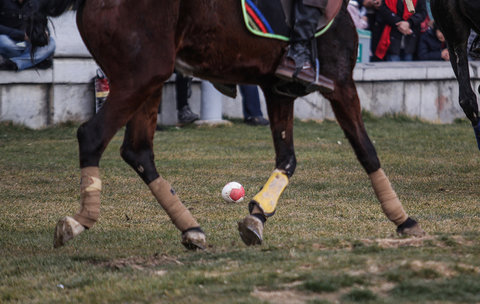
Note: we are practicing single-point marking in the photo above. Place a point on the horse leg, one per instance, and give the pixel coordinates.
(133, 79)
(456, 32)
(264, 203)
(467, 97)
(93, 137)
(137, 151)
(346, 106)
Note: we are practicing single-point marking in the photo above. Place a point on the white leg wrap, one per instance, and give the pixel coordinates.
(168, 199)
(391, 205)
(90, 188)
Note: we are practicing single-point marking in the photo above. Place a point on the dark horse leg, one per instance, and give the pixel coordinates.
(347, 110)
(337, 62)
(452, 19)
(133, 100)
(137, 151)
(346, 106)
(280, 113)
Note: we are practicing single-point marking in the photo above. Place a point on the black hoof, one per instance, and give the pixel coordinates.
(410, 228)
(251, 230)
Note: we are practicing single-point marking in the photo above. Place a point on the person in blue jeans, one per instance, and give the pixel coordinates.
(15, 47)
(252, 112)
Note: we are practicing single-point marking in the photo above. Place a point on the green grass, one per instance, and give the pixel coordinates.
(325, 244)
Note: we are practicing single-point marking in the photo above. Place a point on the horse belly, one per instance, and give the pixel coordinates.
(215, 44)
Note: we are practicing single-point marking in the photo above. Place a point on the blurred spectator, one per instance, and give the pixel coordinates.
(432, 46)
(401, 32)
(252, 113)
(374, 24)
(426, 24)
(183, 92)
(357, 14)
(15, 46)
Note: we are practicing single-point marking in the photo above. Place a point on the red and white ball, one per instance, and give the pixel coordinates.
(233, 192)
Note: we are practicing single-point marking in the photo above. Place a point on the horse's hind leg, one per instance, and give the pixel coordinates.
(346, 106)
(280, 113)
(137, 151)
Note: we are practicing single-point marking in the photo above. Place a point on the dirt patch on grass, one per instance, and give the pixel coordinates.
(439, 241)
(291, 296)
(398, 242)
(392, 242)
(282, 296)
(141, 263)
(443, 269)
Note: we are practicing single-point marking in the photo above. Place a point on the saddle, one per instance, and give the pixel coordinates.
(273, 19)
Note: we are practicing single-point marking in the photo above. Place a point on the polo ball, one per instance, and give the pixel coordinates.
(233, 192)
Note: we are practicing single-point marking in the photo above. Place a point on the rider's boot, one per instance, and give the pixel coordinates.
(298, 63)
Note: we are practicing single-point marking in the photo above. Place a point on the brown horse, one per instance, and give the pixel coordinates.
(456, 18)
(139, 43)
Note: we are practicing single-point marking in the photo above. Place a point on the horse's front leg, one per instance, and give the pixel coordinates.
(264, 203)
(346, 106)
(93, 137)
(456, 31)
(467, 97)
(459, 61)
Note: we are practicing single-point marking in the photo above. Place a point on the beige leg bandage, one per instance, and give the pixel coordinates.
(90, 187)
(389, 201)
(267, 198)
(168, 199)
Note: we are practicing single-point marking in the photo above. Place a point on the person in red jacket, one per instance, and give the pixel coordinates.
(398, 41)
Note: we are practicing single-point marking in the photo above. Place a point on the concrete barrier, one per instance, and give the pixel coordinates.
(65, 92)
(424, 89)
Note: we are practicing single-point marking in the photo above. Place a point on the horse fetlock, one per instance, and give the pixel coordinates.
(194, 239)
(251, 230)
(410, 228)
(67, 228)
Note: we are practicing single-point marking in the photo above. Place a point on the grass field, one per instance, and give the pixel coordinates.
(329, 241)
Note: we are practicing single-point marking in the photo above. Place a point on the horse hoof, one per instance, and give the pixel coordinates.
(67, 228)
(251, 230)
(194, 240)
(410, 228)
(415, 231)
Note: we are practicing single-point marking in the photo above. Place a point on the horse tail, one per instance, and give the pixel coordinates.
(54, 8)
(36, 20)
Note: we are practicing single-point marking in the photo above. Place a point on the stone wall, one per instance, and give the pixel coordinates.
(427, 90)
